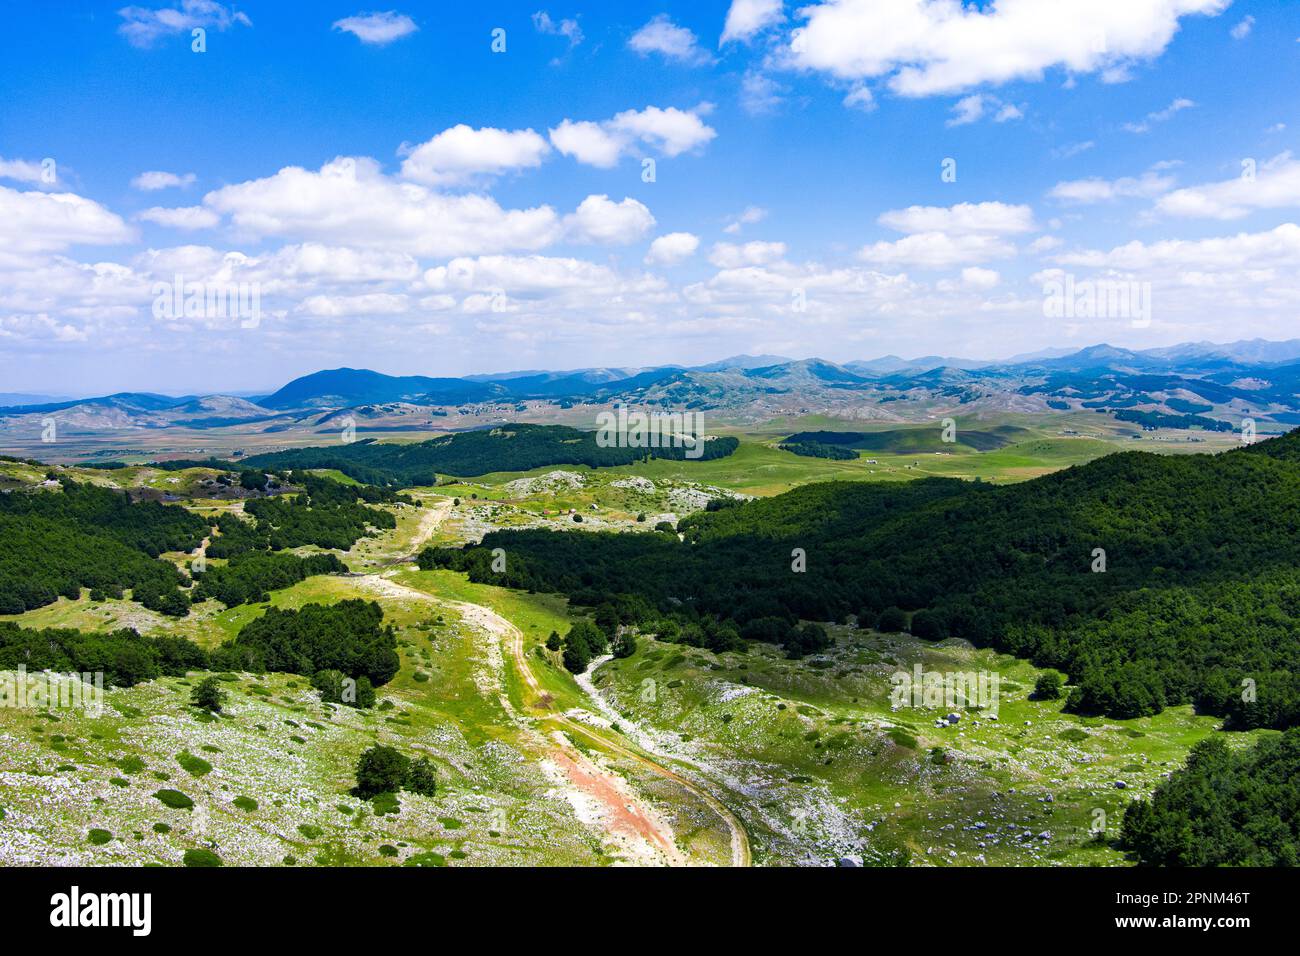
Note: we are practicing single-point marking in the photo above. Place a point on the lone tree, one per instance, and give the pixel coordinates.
(381, 770)
(208, 695)
(1048, 686)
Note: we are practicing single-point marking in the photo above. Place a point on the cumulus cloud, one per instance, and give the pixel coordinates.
(1275, 184)
(598, 219)
(37, 221)
(461, 154)
(964, 218)
(1095, 190)
(936, 250)
(374, 303)
(971, 108)
(939, 237)
(671, 41)
(521, 275)
(746, 18)
(980, 278)
(184, 217)
(927, 47)
(670, 131)
(727, 255)
(1242, 28)
(349, 200)
(377, 29)
(22, 170)
(144, 26)
(672, 249)
(1258, 250)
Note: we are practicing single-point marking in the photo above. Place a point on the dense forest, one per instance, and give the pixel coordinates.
(327, 513)
(514, 447)
(54, 543)
(812, 449)
(1150, 580)
(349, 637)
(1223, 808)
(249, 578)
(123, 657)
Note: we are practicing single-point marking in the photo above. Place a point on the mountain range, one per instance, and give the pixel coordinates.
(1253, 377)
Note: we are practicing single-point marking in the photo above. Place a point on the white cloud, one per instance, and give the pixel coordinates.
(666, 38)
(184, 217)
(747, 217)
(671, 249)
(936, 250)
(860, 98)
(967, 110)
(460, 154)
(568, 29)
(350, 201)
(144, 26)
(373, 303)
(962, 219)
(588, 142)
(1160, 116)
(598, 219)
(1243, 27)
(1046, 244)
(745, 18)
(36, 222)
(1274, 185)
(727, 255)
(1070, 150)
(1094, 190)
(377, 29)
(980, 278)
(671, 131)
(940, 237)
(155, 179)
(520, 275)
(1258, 250)
(927, 47)
(22, 170)
(971, 108)
(759, 93)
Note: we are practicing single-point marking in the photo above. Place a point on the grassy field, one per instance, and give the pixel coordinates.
(810, 755)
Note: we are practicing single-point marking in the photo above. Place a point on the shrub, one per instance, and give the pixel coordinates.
(422, 778)
(892, 621)
(247, 804)
(929, 625)
(175, 799)
(208, 695)
(201, 858)
(194, 766)
(1048, 686)
(381, 770)
(98, 837)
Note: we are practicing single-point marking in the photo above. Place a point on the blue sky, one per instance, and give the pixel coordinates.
(404, 198)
